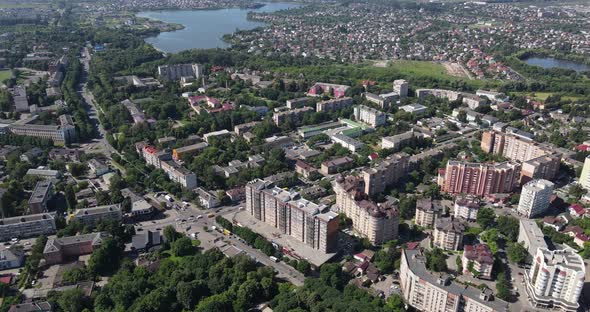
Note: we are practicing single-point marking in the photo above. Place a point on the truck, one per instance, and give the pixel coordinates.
(274, 259)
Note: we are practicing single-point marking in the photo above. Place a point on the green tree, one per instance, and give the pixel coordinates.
(395, 303)
(436, 260)
(508, 226)
(485, 217)
(189, 294)
(105, 259)
(516, 253)
(502, 287)
(182, 247)
(170, 234)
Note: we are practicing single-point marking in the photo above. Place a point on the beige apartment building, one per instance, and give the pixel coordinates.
(427, 211)
(481, 259)
(479, 179)
(377, 222)
(466, 207)
(385, 173)
(93, 216)
(448, 234)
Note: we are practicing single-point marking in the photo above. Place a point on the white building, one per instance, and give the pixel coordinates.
(448, 234)
(466, 207)
(555, 279)
(177, 71)
(400, 87)
(585, 176)
(369, 115)
(530, 236)
(535, 197)
(417, 109)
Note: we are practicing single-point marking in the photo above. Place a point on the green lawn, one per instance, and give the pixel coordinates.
(5, 74)
(542, 96)
(420, 68)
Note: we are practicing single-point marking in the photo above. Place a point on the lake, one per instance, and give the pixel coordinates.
(204, 28)
(549, 62)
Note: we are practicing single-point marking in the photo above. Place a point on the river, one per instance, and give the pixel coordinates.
(550, 62)
(204, 28)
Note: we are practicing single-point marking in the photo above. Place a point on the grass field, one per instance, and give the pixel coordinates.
(5, 74)
(542, 96)
(420, 68)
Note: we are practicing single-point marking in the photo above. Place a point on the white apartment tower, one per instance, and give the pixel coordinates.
(401, 87)
(585, 177)
(555, 279)
(535, 197)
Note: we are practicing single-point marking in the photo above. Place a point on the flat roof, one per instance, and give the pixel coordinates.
(27, 218)
(40, 192)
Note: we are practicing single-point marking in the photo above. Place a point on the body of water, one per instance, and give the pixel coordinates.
(549, 62)
(204, 28)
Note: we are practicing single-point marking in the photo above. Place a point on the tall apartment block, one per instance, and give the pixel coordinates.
(41, 195)
(294, 115)
(448, 234)
(427, 291)
(385, 173)
(369, 115)
(292, 215)
(377, 222)
(555, 279)
(177, 71)
(427, 211)
(478, 179)
(585, 176)
(400, 87)
(466, 207)
(482, 259)
(535, 197)
(538, 161)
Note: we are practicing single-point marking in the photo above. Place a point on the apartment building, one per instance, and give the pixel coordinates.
(427, 211)
(177, 71)
(91, 217)
(439, 93)
(400, 87)
(60, 135)
(41, 195)
(369, 115)
(59, 249)
(315, 225)
(295, 115)
(585, 176)
(297, 103)
(466, 207)
(322, 88)
(448, 233)
(179, 174)
(377, 222)
(27, 226)
(380, 101)
(478, 260)
(333, 105)
(538, 161)
(478, 179)
(555, 279)
(241, 129)
(535, 197)
(427, 291)
(398, 141)
(182, 152)
(385, 173)
(347, 142)
(531, 236)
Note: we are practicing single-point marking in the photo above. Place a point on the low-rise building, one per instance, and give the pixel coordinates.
(36, 306)
(427, 211)
(179, 174)
(189, 150)
(41, 195)
(93, 216)
(216, 134)
(333, 105)
(297, 103)
(347, 142)
(44, 173)
(97, 167)
(12, 257)
(448, 234)
(416, 109)
(295, 115)
(378, 100)
(531, 236)
(59, 249)
(398, 141)
(466, 207)
(334, 165)
(207, 199)
(478, 260)
(305, 170)
(27, 226)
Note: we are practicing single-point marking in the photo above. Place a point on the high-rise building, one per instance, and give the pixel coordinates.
(177, 71)
(478, 179)
(377, 222)
(555, 279)
(538, 161)
(535, 197)
(369, 115)
(531, 236)
(295, 115)
(292, 215)
(427, 291)
(385, 173)
(448, 234)
(585, 176)
(400, 86)
(427, 211)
